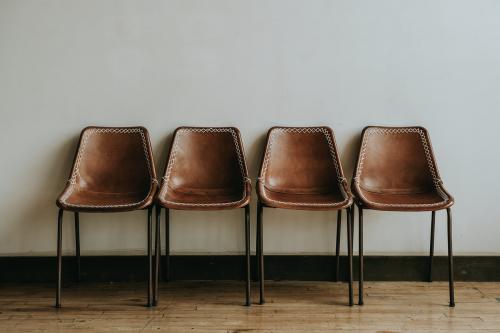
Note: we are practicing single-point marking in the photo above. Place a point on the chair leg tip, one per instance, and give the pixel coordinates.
(452, 305)
(262, 302)
(58, 306)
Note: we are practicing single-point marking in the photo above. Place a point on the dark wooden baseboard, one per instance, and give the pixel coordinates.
(226, 267)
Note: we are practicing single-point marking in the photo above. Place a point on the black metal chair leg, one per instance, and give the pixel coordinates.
(349, 254)
(257, 242)
(450, 259)
(167, 245)
(150, 260)
(156, 285)
(361, 259)
(77, 246)
(260, 250)
(247, 253)
(352, 229)
(337, 246)
(431, 250)
(59, 257)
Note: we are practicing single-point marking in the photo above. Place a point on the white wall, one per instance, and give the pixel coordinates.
(251, 64)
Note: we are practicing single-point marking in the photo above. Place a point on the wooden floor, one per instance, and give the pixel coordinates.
(218, 307)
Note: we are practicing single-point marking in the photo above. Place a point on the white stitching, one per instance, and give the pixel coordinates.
(430, 163)
(333, 155)
(76, 171)
(241, 163)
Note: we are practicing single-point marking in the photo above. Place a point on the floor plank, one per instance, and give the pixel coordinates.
(215, 307)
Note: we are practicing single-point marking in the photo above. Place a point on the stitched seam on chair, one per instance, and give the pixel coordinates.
(427, 151)
(79, 157)
(239, 154)
(305, 130)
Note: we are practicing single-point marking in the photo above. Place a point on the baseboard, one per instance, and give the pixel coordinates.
(228, 267)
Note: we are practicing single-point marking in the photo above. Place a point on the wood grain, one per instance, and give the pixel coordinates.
(218, 307)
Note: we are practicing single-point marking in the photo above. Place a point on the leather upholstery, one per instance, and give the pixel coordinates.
(206, 170)
(301, 170)
(113, 170)
(396, 170)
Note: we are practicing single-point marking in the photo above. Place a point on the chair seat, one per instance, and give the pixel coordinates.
(396, 171)
(208, 199)
(303, 201)
(206, 170)
(75, 199)
(427, 201)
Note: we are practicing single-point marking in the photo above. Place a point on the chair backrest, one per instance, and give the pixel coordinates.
(301, 160)
(206, 159)
(114, 160)
(396, 160)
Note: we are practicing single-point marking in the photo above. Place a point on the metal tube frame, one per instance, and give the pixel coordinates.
(78, 259)
(260, 252)
(167, 268)
(77, 246)
(431, 255)
(337, 246)
(431, 250)
(247, 254)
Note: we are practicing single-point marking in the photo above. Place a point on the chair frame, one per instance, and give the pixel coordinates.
(166, 262)
(260, 249)
(430, 258)
(78, 258)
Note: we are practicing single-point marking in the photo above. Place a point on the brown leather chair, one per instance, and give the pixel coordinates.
(206, 170)
(301, 170)
(396, 171)
(113, 171)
